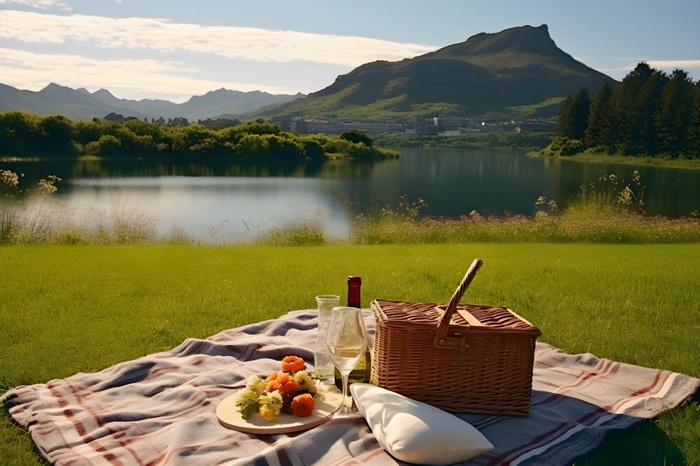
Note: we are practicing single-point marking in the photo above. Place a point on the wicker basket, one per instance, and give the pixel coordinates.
(461, 358)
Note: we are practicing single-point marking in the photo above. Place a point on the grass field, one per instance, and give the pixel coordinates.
(66, 309)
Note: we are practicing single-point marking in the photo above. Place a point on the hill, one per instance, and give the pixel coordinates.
(518, 72)
(80, 104)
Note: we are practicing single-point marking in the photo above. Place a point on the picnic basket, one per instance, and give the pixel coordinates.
(461, 358)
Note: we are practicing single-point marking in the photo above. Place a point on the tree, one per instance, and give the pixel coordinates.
(115, 117)
(693, 135)
(648, 104)
(260, 127)
(599, 130)
(109, 145)
(19, 133)
(57, 132)
(673, 117)
(357, 136)
(633, 107)
(573, 118)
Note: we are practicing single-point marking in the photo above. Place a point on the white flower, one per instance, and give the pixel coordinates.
(255, 384)
(305, 382)
(272, 401)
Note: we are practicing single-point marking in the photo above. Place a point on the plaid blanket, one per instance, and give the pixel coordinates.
(160, 409)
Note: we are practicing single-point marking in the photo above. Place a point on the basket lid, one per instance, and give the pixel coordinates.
(467, 316)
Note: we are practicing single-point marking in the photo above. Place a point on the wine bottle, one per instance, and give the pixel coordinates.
(361, 372)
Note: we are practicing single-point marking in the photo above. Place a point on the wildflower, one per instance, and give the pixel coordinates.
(303, 405)
(282, 383)
(270, 405)
(293, 364)
(626, 196)
(305, 382)
(276, 393)
(247, 402)
(267, 413)
(9, 178)
(256, 384)
(48, 186)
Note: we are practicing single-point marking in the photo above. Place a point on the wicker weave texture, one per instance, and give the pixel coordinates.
(485, 368)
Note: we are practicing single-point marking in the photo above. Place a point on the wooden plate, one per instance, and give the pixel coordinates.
(230, 417)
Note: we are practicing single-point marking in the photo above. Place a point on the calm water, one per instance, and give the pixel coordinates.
(225, 202)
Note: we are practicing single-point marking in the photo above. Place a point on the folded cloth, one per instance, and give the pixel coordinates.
(160, 409)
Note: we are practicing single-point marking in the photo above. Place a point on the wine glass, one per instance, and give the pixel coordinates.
(346, 342)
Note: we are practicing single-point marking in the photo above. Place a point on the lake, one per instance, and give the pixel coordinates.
(232, 202)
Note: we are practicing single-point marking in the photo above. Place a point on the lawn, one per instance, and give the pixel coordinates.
(66, 309)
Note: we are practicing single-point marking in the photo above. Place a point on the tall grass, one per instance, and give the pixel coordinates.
(609, 210)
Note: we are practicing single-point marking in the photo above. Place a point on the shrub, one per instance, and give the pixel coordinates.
(564, 146)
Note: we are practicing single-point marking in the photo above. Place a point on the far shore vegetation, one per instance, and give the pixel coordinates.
(649, 115)
(24, 135)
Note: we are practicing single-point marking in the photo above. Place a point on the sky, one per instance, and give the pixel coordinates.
(174, 49)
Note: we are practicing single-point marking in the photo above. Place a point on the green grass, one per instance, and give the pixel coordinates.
(583, 223)
(66, 309)
(666, 162)
(590, 156)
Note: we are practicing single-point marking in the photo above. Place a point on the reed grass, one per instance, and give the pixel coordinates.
(609, 210)
(66, 309)
(301, 233)
(592, 221)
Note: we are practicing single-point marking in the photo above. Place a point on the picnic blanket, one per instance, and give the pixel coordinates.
(160, 409)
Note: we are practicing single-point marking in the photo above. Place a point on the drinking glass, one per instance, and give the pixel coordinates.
(322, 363)
(346, 342)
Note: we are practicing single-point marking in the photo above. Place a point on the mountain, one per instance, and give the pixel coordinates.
(517, 72)
(80, 104)
(231, 103)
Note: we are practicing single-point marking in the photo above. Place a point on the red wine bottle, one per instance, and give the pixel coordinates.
(361, 372)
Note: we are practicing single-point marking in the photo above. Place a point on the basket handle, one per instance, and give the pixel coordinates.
(440, 340)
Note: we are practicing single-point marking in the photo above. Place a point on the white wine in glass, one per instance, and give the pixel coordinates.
(346, 343)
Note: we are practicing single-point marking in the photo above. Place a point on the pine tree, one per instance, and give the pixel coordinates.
(693, 133)
(673, 117)
(573, 118)
(633, 107)
(599, 130)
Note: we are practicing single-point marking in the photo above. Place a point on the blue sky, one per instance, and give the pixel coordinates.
(173, 49)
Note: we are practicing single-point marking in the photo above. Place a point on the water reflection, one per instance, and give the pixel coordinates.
(236, 201)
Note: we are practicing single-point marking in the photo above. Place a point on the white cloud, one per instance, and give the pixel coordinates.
(692, 67)
(231, 42)
(124, 78)
(39, 4)
(673, 64)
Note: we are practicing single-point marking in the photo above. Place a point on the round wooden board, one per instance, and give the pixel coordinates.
(230, 417)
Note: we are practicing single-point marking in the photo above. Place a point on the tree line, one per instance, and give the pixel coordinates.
(648, 113)
(26, 134)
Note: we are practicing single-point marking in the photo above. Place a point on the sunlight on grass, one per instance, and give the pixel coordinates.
(67, 309)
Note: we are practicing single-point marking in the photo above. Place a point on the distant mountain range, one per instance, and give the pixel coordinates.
(80, 104)
(519, 72)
